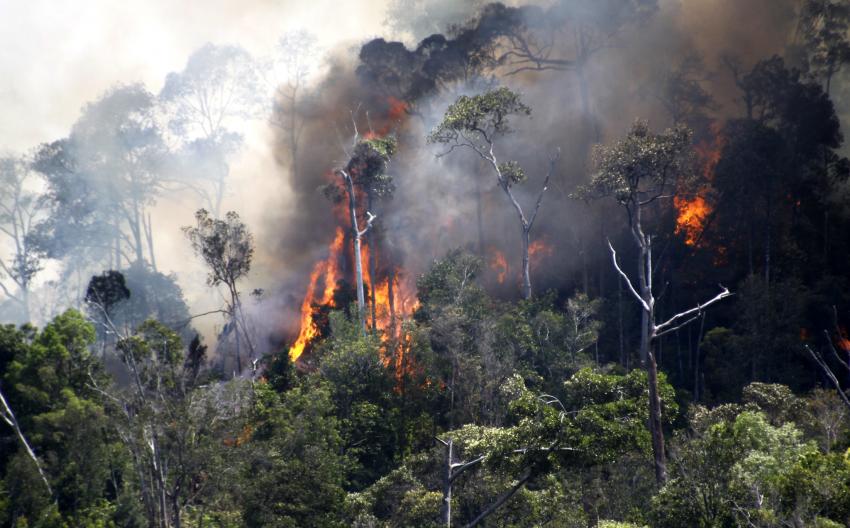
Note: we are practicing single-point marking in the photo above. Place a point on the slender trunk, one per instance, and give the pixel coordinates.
(136, 228)
(175, 510)
(149, 236)
(647, 355)
(624, 360)
(526, 274)
(501, 500)
(655, 426)
(373, 257)
(479, 209)
(358, 264)
(391, 296)
(697, 359)
(9, 417)
(446, 508)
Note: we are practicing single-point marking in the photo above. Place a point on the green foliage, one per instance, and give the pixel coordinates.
(484, 115)
(47, 382)
(512, 172)
(552, 343)
(226, 246)
(367, 168)
(294, 472)
(361, 388)
(742, 469)
(643, 166)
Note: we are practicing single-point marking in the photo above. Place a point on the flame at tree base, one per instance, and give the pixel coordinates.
(328, 271)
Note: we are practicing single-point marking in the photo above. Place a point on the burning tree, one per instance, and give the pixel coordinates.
(637, 172)
(476, 123)
(365, 170)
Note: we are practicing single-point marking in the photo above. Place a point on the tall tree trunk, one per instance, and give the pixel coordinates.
(391, 274)
(149, 236)
(373, 257)
(446, 507)
(526, 272)
(656, 428)
(647, 355)
(358, 264)
(479, 209)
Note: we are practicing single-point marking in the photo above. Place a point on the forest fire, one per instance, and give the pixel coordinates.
(694, 211)
(842, 339)
(691, 218)
(539, 250)
(328, 271)
(395, 112)
(499, 264)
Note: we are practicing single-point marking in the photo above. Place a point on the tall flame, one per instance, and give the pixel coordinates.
(328, 271)
(693, 212)
(691, 219)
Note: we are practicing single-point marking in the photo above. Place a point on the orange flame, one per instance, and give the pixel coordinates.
(691, 219)
(328, 271)
(499, 264)
(537, 251)
(395, 113)
(693, 212)
(843, 341)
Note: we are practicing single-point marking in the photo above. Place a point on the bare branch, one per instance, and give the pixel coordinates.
(829, 374)
(626, 278)
(695, 310)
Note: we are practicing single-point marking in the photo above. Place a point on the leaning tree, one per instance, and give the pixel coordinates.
(637, 172)
(478, 123)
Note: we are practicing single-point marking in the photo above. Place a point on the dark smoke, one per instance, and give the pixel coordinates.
(641, 59)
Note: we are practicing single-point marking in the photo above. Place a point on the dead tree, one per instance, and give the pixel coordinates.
(638, 171)
(824, 365)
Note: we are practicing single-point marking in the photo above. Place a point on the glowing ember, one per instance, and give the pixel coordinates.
(328, 271)
(843, 341)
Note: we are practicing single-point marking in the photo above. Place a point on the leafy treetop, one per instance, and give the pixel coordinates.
(642, 167)
(481, 117)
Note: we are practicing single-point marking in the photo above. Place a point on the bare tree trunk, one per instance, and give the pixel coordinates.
(149, 236)
(446, 508)
(526, 272)
(373, 257)
(9, 417)
(391, 296)
(358, 264)
(656, 428)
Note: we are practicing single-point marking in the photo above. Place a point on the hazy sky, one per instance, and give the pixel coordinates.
(55, 56)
